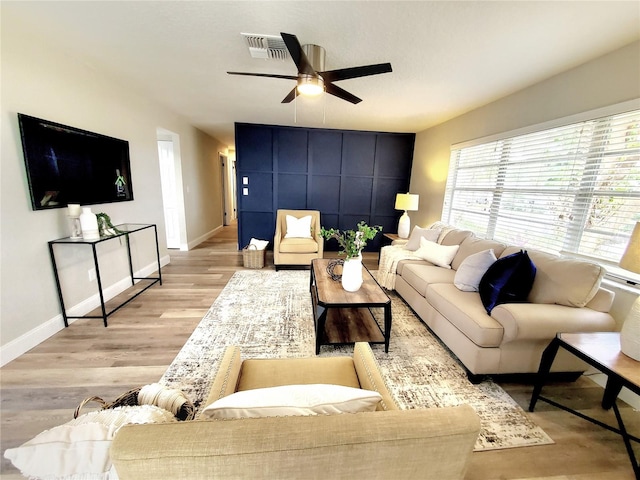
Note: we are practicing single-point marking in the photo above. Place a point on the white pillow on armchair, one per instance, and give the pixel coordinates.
(298, 227)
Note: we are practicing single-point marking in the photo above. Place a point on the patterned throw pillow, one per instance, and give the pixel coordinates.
(508, 280)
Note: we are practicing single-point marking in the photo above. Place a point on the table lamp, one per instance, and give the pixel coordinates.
(630, 333)
(406, 202)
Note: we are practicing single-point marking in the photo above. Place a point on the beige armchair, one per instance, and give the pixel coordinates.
(291, 250)
(429, 443)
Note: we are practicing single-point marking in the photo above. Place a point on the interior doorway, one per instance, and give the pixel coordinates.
(228, 166)
(171, 180)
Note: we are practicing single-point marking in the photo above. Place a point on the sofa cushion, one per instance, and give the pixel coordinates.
(437, 254)
(314, 399)
(471, 245)
(455, 237)
(472, 269)
(565, 281)
(298, 245)
(403, 263)
(466, 312)
(421, 275)
(272, 372)
(417, 233)
(508, 280)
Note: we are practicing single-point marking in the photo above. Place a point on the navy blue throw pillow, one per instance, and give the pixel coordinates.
(508, 280)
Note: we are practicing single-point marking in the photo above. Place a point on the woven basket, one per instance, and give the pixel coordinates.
(130, 398)
(126, 399)
(252, 257)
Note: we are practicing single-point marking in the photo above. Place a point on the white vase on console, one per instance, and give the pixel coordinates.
(89, 224)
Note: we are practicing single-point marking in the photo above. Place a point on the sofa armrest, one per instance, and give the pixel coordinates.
(369, 375)
(226, 378)
(537, 321)
(602, 300)
(430, 444)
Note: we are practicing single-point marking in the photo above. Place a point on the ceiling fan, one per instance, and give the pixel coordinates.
(312, 79)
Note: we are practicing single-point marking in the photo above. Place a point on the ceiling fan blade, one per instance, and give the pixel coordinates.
(341, 93)
(297, 54)
(268, 75)
(291, 95)
(355, 72)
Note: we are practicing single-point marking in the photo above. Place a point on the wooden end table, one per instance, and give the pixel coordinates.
(601, 351)
(345, 317)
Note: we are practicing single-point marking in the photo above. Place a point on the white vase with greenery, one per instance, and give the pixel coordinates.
(352, 242)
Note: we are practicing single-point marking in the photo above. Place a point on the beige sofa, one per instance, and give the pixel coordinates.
(387, 443)
(566, 297)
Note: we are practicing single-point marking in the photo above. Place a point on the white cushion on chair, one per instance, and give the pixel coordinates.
(314, 399)
(298, 227)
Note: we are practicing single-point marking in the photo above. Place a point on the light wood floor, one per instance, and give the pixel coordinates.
(41, 389)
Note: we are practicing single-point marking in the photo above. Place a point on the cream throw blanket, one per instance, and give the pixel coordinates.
(389, 258)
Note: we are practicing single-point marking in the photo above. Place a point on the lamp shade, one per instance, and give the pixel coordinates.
(407, 201)
(631, 257)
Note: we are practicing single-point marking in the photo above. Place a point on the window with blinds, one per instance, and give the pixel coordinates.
(571, 189)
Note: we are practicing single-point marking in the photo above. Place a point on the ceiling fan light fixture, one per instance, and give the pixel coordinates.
(310, 85)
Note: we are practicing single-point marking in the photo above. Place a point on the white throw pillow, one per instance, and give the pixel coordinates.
(79, 449)
(417, 233)
(259, 244)
(298, 227)
(440, 255)
(285, 400)
(472, 269)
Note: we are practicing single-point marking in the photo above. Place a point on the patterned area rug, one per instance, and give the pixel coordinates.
(268, 314)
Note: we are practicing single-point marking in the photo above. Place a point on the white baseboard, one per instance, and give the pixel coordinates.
(199, 240)
(42, 332)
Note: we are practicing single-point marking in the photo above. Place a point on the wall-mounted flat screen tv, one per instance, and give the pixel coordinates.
(69, 165)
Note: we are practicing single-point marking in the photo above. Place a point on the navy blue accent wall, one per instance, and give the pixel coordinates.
(348, 176)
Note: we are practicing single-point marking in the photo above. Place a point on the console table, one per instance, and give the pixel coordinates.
(601, 351)
(125, 229)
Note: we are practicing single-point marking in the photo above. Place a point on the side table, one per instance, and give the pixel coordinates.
(601, 351)
(126, 230)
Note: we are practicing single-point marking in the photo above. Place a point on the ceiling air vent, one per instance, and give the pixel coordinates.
(266, 46)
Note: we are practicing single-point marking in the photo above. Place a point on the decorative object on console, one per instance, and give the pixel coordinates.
(630, 333)
(352, 242)
(407, 202)
(73, 212)
(89, 224)
(105, 226)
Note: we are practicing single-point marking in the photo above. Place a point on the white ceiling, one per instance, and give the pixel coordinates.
(448, 57)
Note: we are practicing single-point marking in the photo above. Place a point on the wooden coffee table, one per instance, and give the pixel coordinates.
(345, 317)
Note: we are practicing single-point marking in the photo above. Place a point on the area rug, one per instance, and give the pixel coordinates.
(268, 315)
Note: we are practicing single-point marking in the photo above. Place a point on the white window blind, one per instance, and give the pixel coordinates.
(570, 189)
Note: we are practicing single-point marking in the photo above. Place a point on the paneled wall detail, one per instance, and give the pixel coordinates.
(348, 176)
